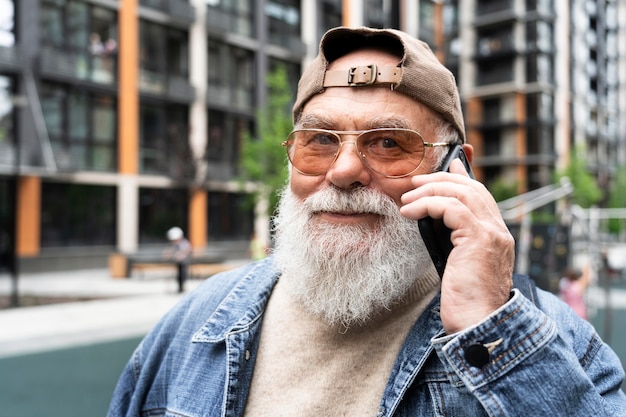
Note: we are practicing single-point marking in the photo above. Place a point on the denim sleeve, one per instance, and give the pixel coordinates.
(535, 362)
(122, 398)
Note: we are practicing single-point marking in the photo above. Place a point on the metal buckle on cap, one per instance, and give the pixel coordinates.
(362, 77)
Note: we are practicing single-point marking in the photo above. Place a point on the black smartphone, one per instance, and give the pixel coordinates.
(435, 234)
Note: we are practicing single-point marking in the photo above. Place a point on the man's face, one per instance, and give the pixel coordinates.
(345, 251)
(361, 108)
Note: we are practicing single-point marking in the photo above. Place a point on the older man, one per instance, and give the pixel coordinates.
(349, 316)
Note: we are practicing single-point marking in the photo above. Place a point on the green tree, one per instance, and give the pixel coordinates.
(586, 191)
(263, 159)
(617, 199)
(502, 189)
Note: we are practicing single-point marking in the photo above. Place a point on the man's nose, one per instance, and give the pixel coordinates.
(348, 167)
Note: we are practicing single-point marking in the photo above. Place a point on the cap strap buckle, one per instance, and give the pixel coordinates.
(362, 75)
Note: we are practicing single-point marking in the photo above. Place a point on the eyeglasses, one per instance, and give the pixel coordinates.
(393, 153)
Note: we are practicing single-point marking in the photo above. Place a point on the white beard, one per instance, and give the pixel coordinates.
(346, 274)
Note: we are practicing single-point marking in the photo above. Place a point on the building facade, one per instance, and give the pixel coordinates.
(120, 119)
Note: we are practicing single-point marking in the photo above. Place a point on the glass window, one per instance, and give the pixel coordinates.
(103, 45)
(242, 65)
(52, 103)
(158, 211)
(104, 118)
(7, 121)
(181, 163)
(82, 35)
(152, 57)
(7, 23)
(164, 140)
(495, 71)
(153, 152)
(238, 13)
(231, 75)
(539, 68)
(78, 120)
(284, 21)
(450, 17)
(539, 36)
(7, 223)
(230, 216)
(540, 140)
(540, 107)
(157, 4)
(51, 25)
(226, 132)
(178, 53)
(77, 215)
(427, 21)
(541, 6)
(330, 16)
(491, 111)
(163, 52)
(382, 13)
(82, 127)
(77, 22)
(492, 6)
(495, 41)
(491, 144)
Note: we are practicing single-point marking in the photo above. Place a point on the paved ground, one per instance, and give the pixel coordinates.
(64, 359)
(125, 308)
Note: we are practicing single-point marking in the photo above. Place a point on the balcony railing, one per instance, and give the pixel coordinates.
(78, 65)
(179, 10)
(488, 7)
(179, 89)
(10, 56)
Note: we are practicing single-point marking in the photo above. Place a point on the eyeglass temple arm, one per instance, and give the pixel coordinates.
(437, 144)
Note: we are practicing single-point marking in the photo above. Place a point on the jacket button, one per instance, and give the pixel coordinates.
(477, 355)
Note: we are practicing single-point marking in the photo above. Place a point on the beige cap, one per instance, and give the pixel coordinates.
(419, 73)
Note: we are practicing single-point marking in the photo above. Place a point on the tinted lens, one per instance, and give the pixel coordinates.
(312, 151)
(392, 152)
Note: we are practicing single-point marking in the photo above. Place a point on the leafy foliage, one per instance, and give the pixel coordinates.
(586, 191)
(502, 189)
(263, 159)
(617, 199)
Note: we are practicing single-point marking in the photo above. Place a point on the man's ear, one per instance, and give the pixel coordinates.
(469, 152)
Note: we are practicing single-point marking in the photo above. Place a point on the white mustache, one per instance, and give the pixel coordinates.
(357, 201)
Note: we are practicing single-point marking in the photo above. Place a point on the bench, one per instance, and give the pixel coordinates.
(202, 264)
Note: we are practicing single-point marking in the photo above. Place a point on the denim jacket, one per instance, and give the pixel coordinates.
(198, 360)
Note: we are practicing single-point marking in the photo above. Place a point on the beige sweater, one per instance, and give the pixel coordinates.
(306, 368)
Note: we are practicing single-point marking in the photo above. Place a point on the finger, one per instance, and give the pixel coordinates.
(467, 195)
(457, 167)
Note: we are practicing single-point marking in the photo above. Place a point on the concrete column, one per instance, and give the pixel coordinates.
(198, 74)
(128, 88)
(353, 13)
(28, 206)
(127, 214)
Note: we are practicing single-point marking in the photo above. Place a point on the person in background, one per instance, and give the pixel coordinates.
(349, 316)
(572, 288)
(179, 251)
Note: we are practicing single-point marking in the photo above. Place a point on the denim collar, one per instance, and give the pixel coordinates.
(243, 306)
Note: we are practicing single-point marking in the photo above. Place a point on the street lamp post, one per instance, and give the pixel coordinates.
(14, 263)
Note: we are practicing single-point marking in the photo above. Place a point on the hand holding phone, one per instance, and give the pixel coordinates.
(435, 234)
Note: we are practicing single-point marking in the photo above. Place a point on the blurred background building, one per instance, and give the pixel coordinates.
(120, 119)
